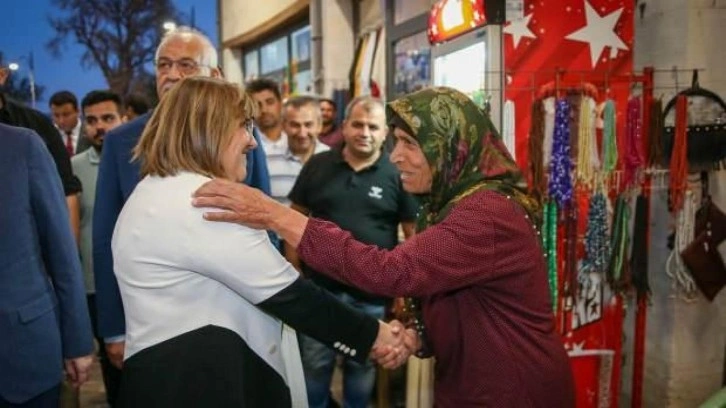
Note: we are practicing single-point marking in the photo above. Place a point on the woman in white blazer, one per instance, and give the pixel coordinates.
(205, 302)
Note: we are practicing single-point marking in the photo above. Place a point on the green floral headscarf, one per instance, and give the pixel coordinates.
(464, 151)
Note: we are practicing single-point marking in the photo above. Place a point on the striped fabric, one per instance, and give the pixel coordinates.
(283, 166)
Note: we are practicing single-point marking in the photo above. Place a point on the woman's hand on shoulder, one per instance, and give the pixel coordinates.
(241, 204)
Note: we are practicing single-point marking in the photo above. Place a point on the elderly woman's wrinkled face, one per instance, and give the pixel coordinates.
(234, 159)
(407, 155)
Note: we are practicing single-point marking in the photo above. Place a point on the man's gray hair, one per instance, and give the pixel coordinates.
(208, 59)
(300, 101)
(368, 103)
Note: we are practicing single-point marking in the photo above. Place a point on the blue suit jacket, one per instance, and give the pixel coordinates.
(43, 310)
(117, 178)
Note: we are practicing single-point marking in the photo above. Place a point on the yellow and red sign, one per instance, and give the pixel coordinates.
(452, 18)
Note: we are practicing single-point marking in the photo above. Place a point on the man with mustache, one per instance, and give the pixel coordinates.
(266, 92)
(101, 113)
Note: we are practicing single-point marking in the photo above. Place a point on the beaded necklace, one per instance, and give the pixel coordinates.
(587, 160)
(597, 248)
(569, 213)
(639, 255)
(549, 243)
(560, 182)
(684, 234)
(619, 245)
(609, 139)
(634, 157)
(678, 181)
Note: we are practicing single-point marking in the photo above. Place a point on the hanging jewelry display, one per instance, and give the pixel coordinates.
(609, 140)
(634, 157)
(549, 106)
(639, 256)
(617, 268)
(570, 254)
(536, 158)
(549, 243)
(590, 278)
(587, 160)
(597, 247)
(560, 182)
(679, 158)
(685, 232)
(655, 153)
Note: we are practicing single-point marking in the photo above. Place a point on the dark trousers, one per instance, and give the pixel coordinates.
(111, 374)
(207, 367)
(48, 399)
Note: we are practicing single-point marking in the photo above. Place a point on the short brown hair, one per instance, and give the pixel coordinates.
(192, 126)
(300, 101)
(264, 84)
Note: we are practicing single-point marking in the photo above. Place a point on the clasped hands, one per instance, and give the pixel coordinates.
(77, 369)
(394, 344)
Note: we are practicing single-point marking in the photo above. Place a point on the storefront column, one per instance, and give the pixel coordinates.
(338, 45)
(231, 59)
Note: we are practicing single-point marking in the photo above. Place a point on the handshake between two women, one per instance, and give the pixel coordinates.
(394, 344)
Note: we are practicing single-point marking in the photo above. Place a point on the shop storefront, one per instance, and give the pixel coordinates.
(285, 58)
(272, 41)
(448, 43)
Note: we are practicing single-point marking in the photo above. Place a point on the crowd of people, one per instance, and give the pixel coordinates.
(232, 245)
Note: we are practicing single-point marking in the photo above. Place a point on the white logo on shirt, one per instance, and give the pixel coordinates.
(375, 192)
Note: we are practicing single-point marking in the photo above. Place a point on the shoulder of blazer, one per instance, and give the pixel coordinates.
(16, 137)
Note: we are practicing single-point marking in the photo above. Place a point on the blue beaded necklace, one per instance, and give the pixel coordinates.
(560, 181)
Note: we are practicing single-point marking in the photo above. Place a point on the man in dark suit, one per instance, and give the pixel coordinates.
(181, 53)
(44, 322)
(66, 117)
(15, 114)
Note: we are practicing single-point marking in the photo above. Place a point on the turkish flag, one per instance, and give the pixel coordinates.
(590, 40)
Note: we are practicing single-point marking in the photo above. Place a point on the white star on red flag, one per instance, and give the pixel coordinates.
(519, 29)
(599, 32)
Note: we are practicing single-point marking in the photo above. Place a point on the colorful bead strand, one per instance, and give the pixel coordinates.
(560, 181)
(609, 139)
(549, 240)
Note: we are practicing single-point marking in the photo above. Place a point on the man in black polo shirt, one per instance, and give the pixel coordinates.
(15, 114)
(359, 189)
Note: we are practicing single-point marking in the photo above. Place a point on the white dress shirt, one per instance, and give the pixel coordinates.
(75, 135)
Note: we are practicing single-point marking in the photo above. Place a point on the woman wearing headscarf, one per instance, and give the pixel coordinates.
(475, 266)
